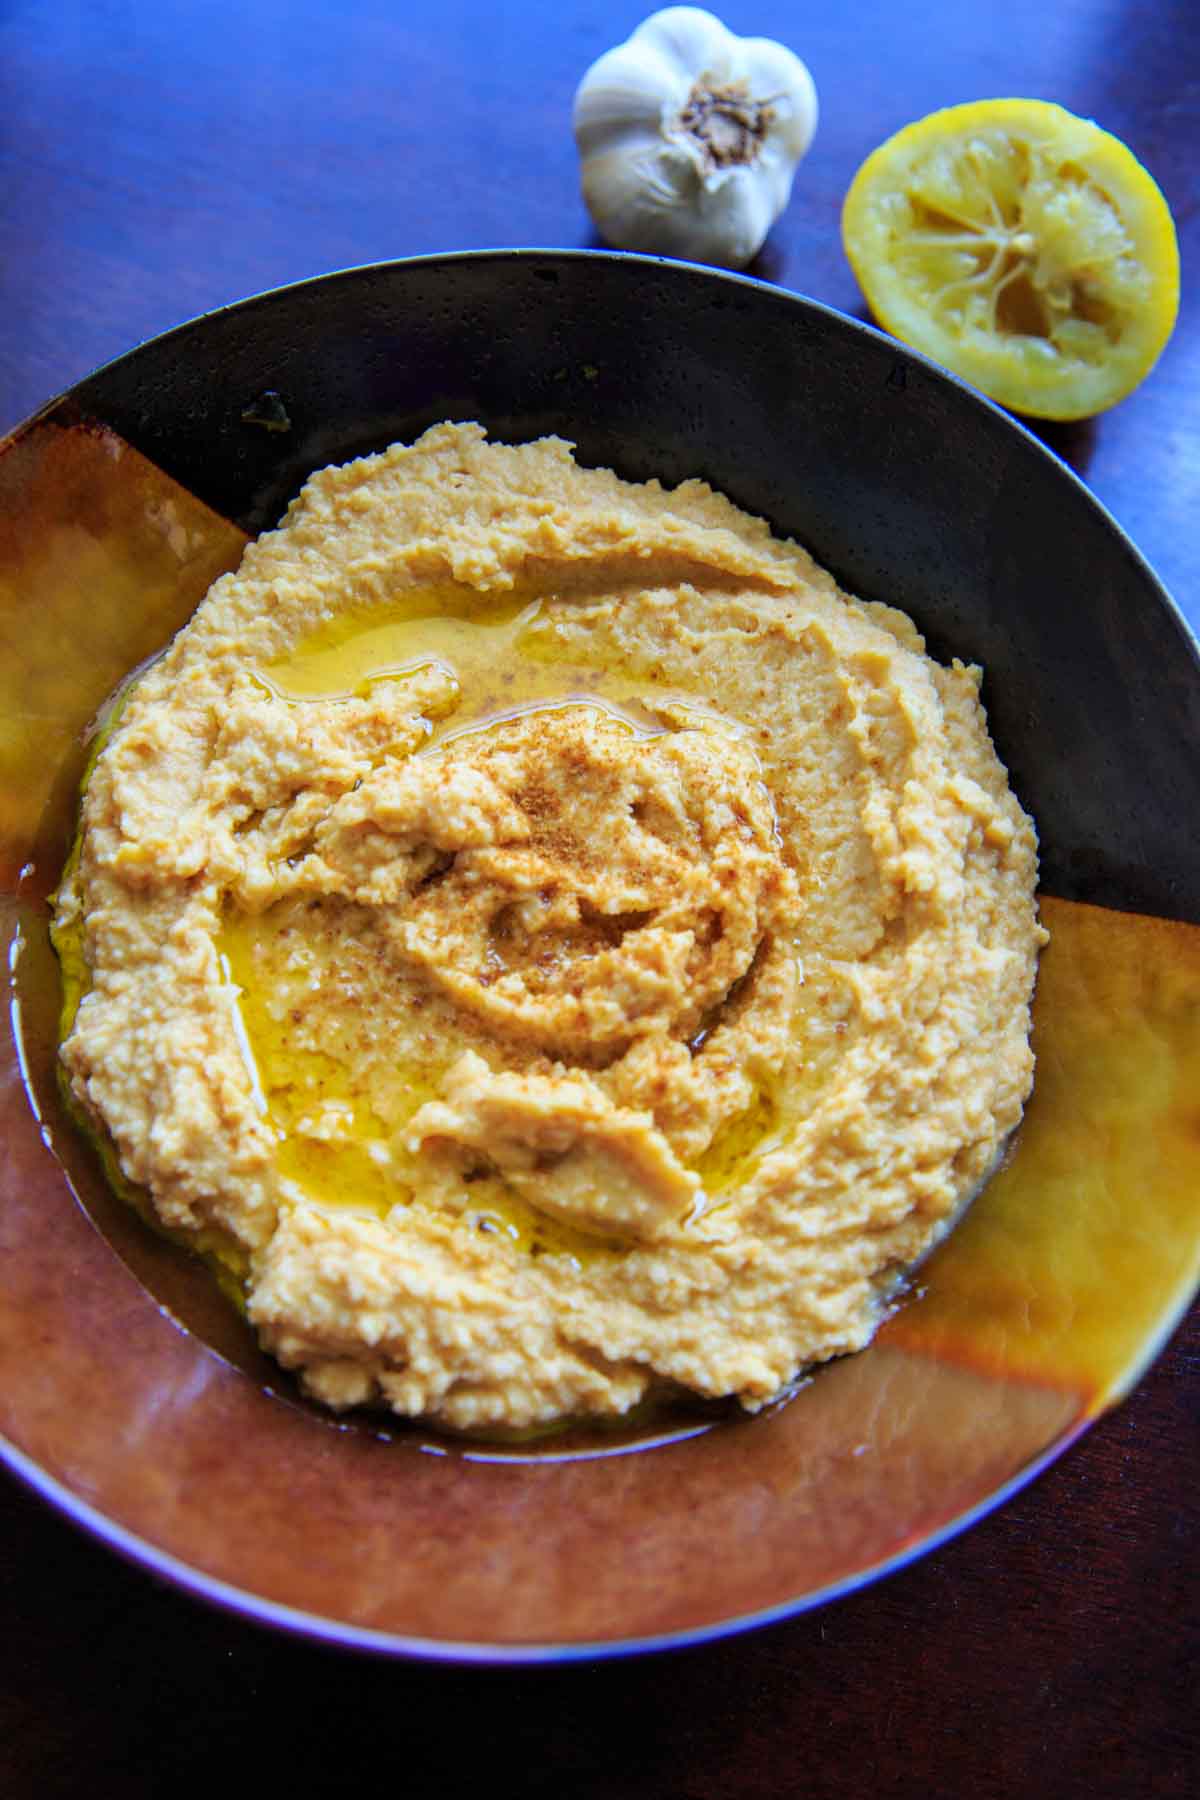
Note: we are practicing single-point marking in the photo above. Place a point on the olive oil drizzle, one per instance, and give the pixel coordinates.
(335, 1149)
(506, 660)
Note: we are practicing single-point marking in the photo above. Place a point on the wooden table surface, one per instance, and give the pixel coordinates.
(159, 160)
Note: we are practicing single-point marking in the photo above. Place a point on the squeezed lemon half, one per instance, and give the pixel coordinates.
(1023, 248)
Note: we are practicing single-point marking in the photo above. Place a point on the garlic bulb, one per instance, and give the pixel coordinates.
(689, 137)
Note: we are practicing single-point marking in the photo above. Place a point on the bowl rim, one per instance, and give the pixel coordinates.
(639, 259)
(315, 1628)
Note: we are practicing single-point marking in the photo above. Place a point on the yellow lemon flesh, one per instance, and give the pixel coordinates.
(1023, 248)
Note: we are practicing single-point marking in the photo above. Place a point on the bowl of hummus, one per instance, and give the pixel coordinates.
(525, 951)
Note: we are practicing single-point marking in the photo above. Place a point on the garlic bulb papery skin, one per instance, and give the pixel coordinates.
(689, 137)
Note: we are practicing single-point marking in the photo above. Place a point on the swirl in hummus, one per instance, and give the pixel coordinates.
(562, 944)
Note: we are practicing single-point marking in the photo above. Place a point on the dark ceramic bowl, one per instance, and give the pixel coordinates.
(134, 1398)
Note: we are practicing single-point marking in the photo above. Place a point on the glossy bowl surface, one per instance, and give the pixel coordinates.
(136, 1400)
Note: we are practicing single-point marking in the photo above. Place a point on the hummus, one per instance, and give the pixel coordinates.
(555, 943)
